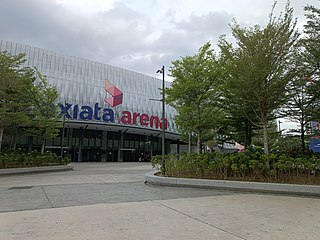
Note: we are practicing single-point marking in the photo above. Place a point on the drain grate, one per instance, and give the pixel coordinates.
(21, 187)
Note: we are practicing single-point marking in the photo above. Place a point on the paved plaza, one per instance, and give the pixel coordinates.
(110, 201)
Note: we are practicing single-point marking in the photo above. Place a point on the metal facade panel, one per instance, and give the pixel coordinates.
(81, 81)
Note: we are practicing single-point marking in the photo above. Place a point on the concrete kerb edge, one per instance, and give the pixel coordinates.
(13, 171)
(291, 189)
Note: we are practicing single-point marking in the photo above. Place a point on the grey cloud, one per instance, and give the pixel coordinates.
(43, 24)
(214, 23)
(185, 37)
(116, 37)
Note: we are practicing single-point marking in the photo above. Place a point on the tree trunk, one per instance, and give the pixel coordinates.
(189, 142)
(303, 146)
(1, 137)
(265, 138)
(11, 142)
(265, 141)
(43, 146)
(264, 121)
(14, 140)
(199, 142)
(248, 133)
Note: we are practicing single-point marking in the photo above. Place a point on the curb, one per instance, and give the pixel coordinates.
(12, 171)
(291, 189)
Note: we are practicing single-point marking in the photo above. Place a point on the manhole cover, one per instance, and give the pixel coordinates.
(21, 187)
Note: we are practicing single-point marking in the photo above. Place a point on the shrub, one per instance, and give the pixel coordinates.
(33, 159)
(251, 165)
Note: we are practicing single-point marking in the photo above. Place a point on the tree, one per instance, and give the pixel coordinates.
(186, 129)
(261, 64)
(304, 103)
(311, 43)
(45, 112)
(303, 99)
(15, 82)
(194, 92)
(240, 118)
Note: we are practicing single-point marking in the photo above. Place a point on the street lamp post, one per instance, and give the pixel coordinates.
(163, 164)
(279, 127)
(63, 129)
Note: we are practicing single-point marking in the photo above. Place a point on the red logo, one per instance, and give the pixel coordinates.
(116, 95)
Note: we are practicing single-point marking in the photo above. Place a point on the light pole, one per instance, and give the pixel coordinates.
(163, 164)
(63, 127)
(279, 127)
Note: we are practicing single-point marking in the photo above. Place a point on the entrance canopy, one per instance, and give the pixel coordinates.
(122, 128)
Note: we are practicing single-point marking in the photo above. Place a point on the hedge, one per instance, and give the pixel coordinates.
(33, 159)
(249, 165)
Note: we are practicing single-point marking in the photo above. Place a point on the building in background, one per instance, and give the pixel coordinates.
(108, 112)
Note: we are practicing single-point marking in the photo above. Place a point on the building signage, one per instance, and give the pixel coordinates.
(116, 95)
(314, 145)
(97, 113)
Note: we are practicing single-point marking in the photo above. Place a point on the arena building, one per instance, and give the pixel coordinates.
(109, 111)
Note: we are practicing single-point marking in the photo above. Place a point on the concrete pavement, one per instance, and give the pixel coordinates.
(89, 183)
(110, 201)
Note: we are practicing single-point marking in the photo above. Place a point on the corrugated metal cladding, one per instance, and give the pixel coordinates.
(81, 81)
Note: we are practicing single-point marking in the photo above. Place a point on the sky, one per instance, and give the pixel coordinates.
(139, 35)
